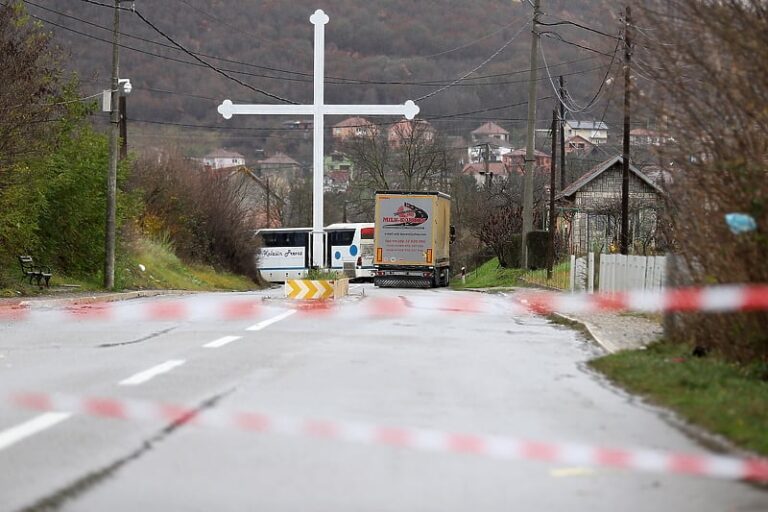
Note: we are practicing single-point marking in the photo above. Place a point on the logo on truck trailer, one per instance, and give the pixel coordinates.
(407, 215)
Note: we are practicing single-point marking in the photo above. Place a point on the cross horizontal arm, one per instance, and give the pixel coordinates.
(409, 110)
(227, 109)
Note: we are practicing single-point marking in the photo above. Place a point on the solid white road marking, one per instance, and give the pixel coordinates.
(31, 427)
(266, 323)
(221, 341)
(144, 376)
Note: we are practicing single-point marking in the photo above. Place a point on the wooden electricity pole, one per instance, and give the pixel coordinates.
(562, 134)
(269, 208)
(624, 242)
(114, 135)
(552, 219)
(530, 157)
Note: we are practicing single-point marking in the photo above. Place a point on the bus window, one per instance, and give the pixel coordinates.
(345, 237)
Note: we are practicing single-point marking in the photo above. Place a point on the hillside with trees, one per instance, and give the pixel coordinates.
(382, 51)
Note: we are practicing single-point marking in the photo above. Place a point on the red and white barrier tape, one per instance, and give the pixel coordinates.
(715, 299)
(497, 447)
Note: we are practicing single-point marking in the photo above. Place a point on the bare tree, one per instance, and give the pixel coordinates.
(704, 59)
(30, 74)
(409, 156)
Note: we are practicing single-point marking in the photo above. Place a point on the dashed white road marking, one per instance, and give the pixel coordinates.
(146, 375)
(37, 424)
(269, 321)
(221, 341)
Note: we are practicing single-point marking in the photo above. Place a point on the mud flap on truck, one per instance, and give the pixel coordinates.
(402, 282)
(412, 278)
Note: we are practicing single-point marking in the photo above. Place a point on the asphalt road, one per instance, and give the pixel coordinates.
(489, 373)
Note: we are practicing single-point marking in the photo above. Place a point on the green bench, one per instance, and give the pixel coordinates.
(40, 273)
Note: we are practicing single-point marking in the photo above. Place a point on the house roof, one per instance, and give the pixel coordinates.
(587, 125)
(407, 124)
(522, 152)
(353, 122)
(644, 132)
(223, 153)
(279, 158)
(478, 168)
(578, 138)
(600, 169)
(490, 128)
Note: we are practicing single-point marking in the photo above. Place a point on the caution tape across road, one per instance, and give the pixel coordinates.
(490, 446)
(714, 299)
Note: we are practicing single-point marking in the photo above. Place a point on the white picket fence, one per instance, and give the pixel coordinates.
(618, 272)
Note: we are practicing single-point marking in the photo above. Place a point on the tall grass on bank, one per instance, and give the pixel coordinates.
(488, 275)
(162, 269)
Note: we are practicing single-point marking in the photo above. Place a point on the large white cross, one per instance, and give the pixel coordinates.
(319, 109)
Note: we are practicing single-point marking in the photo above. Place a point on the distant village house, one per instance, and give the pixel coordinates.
(221, 159)
(490, 131)
(591, 208)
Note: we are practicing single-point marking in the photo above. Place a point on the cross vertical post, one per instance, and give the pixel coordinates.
(319, 110)
(318, 19)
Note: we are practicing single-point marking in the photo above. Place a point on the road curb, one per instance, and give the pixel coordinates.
(591, 331)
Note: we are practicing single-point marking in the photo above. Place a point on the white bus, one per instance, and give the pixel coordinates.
(349, 249)
(285, 253)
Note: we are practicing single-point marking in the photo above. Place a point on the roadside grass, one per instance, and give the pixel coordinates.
(561, 277)
(724, 398)
(488, 275)
(164, 270)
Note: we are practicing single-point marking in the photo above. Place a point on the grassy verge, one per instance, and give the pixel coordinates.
(724, 398)
(489, 275)
(561, 276)
(162, 269)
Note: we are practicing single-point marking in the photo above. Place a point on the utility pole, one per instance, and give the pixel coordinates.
(486, 158)
(624, 242)
(552, 219)
(562, 135)
(269, 212)
(110, 237)
(530, 142)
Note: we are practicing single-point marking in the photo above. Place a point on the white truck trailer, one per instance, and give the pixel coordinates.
(412, 237)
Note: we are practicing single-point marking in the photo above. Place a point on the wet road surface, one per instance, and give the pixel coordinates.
(488, 373)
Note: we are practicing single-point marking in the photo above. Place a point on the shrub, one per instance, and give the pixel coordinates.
(207, 214)
(537, 242)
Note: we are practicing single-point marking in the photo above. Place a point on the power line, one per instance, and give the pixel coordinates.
(219, 20)
(558, 37)
(579, 25)
(193, 55)
(466, 45)
(458, 116)
(208, 65)
(341, 80)
(486, 61)
(575, 108)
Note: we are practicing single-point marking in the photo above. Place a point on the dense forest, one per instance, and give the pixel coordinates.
(380, 51)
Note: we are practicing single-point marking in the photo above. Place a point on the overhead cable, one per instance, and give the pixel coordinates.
(486, 61)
